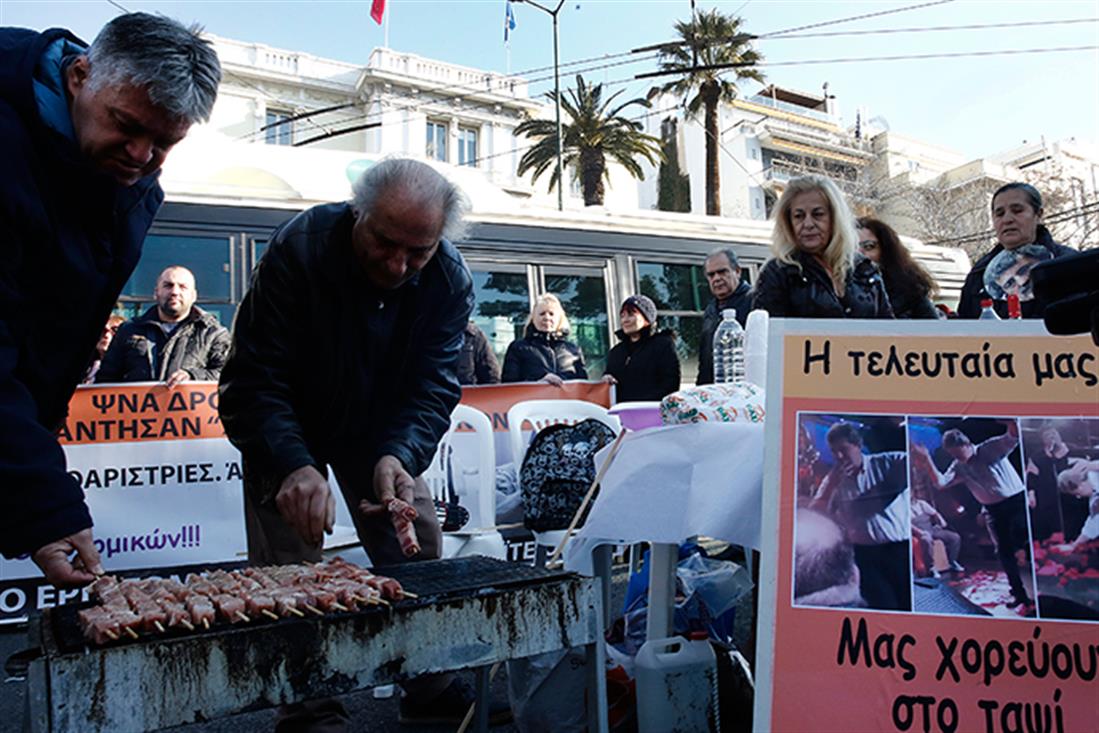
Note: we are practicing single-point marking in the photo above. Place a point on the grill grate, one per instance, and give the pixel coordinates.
(432, 580)
(466, 575)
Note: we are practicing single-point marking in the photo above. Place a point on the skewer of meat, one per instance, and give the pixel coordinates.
(402, 514)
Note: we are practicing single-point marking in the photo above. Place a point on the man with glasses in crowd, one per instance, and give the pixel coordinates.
(722, 270)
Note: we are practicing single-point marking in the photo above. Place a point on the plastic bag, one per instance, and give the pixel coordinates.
(544, 691)
(706, 594)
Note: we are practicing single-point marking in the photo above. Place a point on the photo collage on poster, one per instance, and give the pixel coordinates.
(980, 516)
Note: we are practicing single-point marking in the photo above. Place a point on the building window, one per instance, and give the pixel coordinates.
(467, 146)
(436, 140)
(279, 130)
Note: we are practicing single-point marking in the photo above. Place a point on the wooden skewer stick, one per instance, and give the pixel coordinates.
(131, 633)
(111, 635)
(314, 609)
(339, 607)
(242, 617)
(268, 614)
(158, 626)
(296, 612)
(587, 498)
(187, 625)
(406, 594)
(206, 624)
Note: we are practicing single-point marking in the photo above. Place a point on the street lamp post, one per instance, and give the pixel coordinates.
(557, 97)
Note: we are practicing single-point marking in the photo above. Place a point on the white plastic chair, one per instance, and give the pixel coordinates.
(474, 483)
(541, 414)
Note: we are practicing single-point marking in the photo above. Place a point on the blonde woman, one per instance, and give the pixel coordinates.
(817, 271)
(544, 354)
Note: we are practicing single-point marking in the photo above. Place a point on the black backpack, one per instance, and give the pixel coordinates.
(557, 471)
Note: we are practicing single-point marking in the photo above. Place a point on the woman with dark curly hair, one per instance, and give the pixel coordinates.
(909, 285)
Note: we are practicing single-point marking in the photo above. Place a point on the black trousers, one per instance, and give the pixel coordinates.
(885, 576)
(1008, 527)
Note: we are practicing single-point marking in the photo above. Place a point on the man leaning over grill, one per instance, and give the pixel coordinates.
(83, 134)
(344, 354)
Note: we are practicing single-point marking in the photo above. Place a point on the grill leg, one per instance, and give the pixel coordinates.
(597, 687)
(484, 695)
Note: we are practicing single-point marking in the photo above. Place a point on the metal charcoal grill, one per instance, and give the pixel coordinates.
(471, 612)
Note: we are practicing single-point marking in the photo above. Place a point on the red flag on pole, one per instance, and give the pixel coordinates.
(377, 10)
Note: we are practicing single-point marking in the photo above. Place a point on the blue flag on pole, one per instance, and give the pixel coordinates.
(509, 22)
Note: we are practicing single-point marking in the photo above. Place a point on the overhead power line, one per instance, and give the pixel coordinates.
(851, 60)
(864, 16)
(936, 28)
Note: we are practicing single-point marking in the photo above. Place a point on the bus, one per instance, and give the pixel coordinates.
(592, 259)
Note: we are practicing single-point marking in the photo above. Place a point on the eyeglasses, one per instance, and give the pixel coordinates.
(868, 246)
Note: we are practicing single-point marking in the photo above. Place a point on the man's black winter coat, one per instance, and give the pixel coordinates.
(325, 368)
(70, 237)
(741, 301)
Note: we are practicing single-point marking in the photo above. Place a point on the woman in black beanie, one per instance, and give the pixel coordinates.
(644, 364)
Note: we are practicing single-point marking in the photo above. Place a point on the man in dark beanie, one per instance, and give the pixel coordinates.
(84, 131)
(644, 365)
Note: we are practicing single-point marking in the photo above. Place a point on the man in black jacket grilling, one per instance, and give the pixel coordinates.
(344, 354)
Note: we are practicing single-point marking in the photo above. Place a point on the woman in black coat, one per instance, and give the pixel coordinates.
(644, 365)
(815, 271)
(908, 284)
(1022, 241)
(544, 354)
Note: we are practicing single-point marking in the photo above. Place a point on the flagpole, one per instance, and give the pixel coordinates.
(389, 12)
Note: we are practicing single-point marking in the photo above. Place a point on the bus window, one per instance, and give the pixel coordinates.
(681, 295)
(584, 297)
(503, 304)
(206, 257)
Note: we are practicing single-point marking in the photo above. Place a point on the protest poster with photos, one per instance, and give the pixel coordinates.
(933, 526)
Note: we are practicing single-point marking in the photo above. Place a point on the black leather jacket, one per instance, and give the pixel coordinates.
(198, 346)
(326, 369)
(538, 354)
(788, 291)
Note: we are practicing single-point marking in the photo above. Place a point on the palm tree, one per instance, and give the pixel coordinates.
(595, 131)
(711, 39)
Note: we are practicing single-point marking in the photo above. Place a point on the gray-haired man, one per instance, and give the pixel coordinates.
(83, 132)
(723, 276)
(344, 354)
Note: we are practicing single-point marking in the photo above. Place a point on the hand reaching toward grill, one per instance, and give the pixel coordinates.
(391, 480)
(54, 560)
(307, 503)
(393, 486)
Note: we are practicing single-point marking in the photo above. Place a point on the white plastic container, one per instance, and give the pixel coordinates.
(676, 686)
(755, 348)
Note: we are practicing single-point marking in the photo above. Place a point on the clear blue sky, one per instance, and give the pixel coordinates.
(977, 106)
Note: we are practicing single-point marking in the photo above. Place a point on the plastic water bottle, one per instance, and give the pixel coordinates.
(676, 685)
(729, 349)
(988, 313)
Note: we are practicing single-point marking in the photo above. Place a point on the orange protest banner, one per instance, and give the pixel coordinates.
(124, 413)
(496, 399)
